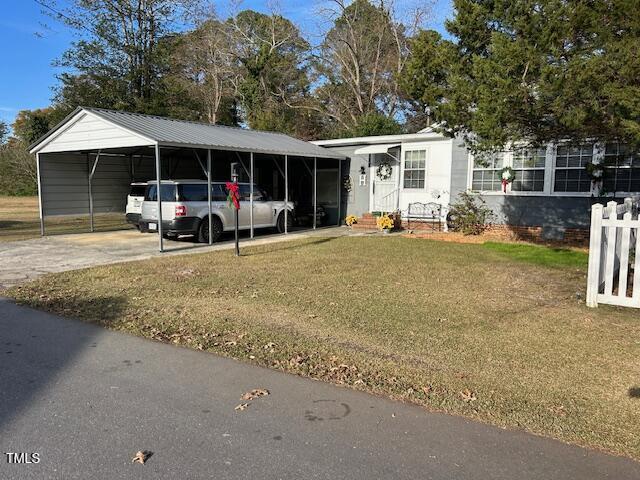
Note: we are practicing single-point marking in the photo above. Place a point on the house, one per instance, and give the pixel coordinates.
(550, 196)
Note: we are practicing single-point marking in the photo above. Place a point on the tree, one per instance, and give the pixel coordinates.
(204, 66)
(273, 80)
(4, 132)
(538, 72)
(360, 60)
(18, 166)
(424, 78)
(30, 125)
(120, 57)
(375, 124)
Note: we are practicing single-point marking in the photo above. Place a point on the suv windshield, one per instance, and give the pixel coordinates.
(168, 193)
(137, 190)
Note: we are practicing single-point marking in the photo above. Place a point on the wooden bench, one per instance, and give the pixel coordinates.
(425, 213)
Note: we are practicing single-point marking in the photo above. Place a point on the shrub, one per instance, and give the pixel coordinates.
(469, 214)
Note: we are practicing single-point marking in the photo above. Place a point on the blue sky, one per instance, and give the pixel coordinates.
(32, 41)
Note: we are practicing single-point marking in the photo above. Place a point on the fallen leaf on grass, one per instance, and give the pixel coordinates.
(297, 360)
(189, 272)
(141, 457)
(241, 407)
(558, 410)
(230, 343)
(468, 395)
(269, 346)
(255, 393)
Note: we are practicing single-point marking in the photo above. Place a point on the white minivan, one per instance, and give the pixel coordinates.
(134, 202)
(185, 209)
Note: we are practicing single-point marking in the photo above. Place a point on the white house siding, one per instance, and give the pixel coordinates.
(438, 174)
(89, 132)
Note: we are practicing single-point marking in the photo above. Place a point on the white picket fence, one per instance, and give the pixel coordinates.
(614, 255)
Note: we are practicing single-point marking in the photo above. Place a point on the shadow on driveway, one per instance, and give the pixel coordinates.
(34, 354)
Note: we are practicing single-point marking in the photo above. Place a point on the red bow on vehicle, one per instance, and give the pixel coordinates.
(233, 195)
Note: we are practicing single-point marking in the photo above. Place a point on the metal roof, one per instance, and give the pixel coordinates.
(182, 133)
(380, 148)
(167, 131)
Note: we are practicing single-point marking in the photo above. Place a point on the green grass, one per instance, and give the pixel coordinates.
(463, 329)
(540, 255)
(20, 220)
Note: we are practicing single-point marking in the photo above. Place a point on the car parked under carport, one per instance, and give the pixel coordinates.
(87, 163)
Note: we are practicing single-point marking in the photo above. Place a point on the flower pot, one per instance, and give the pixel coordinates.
(386, 231)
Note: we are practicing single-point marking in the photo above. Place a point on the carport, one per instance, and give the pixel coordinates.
(87, 162)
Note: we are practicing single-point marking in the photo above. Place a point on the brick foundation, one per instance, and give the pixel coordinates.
(572, 236)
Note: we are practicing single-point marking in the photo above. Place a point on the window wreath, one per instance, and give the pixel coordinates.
(595, 171)
(384, 171)
(507, 175)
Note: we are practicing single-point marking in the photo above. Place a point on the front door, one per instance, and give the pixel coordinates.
(384, 184)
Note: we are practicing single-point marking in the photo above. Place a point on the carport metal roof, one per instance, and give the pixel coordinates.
(154, 130)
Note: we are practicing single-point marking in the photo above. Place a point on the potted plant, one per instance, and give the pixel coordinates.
(351, 220)
(385, 223)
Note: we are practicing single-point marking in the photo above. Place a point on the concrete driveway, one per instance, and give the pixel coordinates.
(87, 399)
(25, 260)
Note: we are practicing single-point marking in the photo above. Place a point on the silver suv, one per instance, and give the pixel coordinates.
(185, 209)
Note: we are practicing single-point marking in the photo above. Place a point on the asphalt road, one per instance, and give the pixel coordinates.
(86, 400)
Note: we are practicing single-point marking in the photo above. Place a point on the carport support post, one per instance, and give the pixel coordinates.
(91, 172)
(210, 219)
(158, 198)
(286, 193)
(315, 193)
(251, 196)
(40, 195)
(339, 190)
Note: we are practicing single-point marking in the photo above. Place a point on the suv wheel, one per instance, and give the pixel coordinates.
(203, 231)
(280, 222)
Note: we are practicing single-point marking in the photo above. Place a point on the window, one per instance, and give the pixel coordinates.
(260, 195)
(218, 193)
(196, 192)
(137, 190)
(168, 193)
(570, 168)
(528, 165)
(622, 169)
(415, 163)
(486, 171)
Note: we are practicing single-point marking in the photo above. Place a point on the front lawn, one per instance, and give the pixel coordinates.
(488, 332)
(20, 220)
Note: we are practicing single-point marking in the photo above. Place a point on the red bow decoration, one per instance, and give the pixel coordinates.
(504, 185)
(234, 195)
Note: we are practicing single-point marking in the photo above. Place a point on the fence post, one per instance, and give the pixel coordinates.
(611, 264)
(595, 249)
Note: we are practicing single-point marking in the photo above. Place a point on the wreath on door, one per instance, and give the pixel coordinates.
(384, 171)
